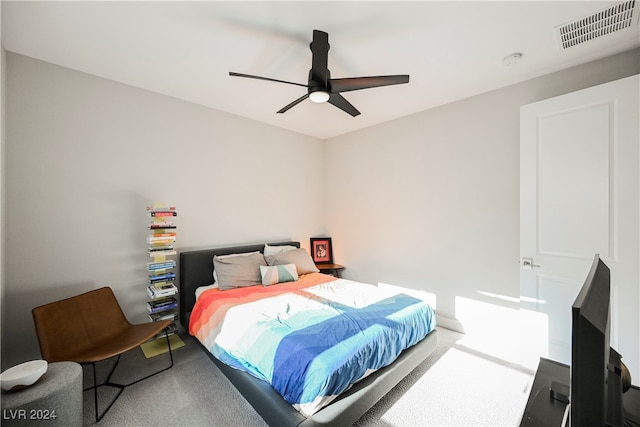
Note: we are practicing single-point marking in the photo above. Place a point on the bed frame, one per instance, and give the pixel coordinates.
(196, 269)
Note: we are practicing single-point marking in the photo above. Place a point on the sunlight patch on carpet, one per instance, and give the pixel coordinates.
(477, 392)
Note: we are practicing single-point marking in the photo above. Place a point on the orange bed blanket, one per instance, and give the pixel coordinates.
(214, 302)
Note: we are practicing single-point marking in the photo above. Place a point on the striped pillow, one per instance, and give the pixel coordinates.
(278, 274)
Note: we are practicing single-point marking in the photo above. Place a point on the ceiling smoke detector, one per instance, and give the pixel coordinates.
(606, 21)
(512, 59)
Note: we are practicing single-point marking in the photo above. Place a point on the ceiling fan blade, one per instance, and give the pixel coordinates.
(357, 83)
(319, 57)
(231, 73)
(293, 104)
(339, 101)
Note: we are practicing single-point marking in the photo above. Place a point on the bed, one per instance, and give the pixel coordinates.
(196, 270)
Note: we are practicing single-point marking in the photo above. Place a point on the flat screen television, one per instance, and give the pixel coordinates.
(596, 383)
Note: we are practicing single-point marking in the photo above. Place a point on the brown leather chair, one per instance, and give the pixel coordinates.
(89, 328)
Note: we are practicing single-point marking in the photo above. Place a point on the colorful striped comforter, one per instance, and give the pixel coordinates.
(310, 339)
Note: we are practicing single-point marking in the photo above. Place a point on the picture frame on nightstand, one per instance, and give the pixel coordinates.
(321, 250)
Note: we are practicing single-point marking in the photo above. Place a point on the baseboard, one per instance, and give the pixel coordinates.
(449, 323)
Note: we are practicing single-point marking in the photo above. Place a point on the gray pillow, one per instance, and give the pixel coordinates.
(238, 271)
(299, 257)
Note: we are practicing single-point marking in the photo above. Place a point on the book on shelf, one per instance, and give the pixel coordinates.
(172, 329)
(165, 275)
(157, 278)
(157, 214)
(161, 208)
(156, 234)
(161, 265)
(164, 242)
(158, 291)
(161, 239)
(161, 226)
(171, 315)
(160, 288)
(161, 253)
(163, 304)
(162, 283)
(160, 248)
(159, 309)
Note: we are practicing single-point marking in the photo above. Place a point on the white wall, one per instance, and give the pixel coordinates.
(84, 156)
(431, 200)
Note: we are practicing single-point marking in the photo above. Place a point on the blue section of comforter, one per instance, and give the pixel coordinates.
(334, 353)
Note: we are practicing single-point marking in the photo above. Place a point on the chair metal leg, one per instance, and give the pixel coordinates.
(121, 387)
(96, 386)
(95, 390)
(155, 373)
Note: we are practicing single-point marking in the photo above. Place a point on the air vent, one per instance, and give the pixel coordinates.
(606, 21)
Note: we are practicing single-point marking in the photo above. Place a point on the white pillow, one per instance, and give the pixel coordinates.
(272, 250)
(278, 274)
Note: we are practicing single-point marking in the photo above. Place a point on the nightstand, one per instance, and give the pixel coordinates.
(332, 269)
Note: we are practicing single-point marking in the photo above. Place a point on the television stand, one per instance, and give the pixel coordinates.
(543, 410)
(631, 401)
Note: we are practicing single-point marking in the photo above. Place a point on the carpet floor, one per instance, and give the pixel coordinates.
(454, 386)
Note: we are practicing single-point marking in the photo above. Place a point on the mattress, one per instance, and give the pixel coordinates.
(313, 338)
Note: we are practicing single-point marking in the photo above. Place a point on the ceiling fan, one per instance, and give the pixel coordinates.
(322, 88)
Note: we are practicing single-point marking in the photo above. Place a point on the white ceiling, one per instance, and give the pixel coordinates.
(451, 50)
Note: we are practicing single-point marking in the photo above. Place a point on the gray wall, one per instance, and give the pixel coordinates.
(2, 200)
(428, 201)
(431, 201)
(85, 155)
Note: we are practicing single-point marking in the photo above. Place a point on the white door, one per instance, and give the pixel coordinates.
(579, 193)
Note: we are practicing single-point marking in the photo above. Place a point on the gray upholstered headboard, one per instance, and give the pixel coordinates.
(196, 269)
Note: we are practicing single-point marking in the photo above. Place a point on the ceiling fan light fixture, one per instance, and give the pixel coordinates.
(319, 96)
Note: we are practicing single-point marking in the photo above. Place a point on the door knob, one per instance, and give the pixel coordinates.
(528, 263)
